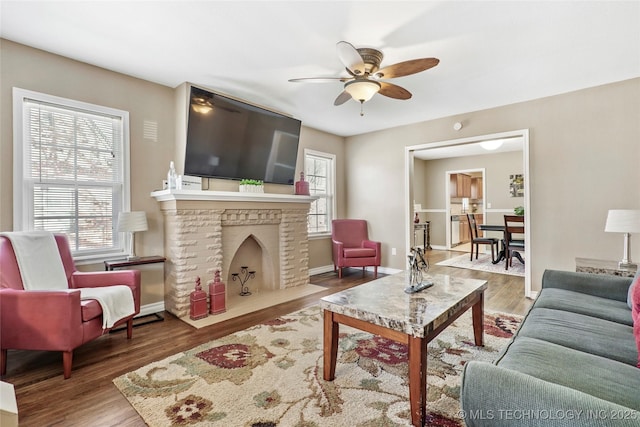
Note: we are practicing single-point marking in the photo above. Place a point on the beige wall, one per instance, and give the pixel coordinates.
(36, 70)
(584, 154)
(32, 69)
(320, 248)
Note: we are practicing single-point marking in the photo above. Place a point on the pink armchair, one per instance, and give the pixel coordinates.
(55, 320)
(352, 247)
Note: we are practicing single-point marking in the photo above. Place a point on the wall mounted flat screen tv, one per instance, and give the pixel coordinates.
(230, 139)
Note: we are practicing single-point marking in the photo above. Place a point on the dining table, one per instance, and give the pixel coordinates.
(502, 253)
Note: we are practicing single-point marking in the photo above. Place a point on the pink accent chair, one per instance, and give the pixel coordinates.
(55, 320)
(352, 247)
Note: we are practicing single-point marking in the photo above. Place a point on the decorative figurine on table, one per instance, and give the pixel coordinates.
(217, 295)
(417, 265)
(302, 186)
(198, 303)
(416, 220)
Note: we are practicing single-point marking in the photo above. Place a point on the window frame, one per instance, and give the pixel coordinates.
(23, 205)
(331, 177)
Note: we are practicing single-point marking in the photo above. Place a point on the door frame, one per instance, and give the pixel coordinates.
(408, 187)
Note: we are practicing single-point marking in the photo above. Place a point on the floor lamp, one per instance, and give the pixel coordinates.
(131, 222)
(625, 221)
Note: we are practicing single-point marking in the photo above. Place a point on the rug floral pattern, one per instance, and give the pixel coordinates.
(271, 375)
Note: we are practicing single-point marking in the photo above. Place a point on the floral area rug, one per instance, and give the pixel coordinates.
(271, 375)
(483, 263)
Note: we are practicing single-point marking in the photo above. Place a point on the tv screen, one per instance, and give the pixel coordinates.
(230, 139)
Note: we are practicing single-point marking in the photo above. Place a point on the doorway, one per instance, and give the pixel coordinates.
(467, 147)
(465, 190)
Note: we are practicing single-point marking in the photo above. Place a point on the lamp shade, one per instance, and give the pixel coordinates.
(623, 221)
(132, 221)
(362, 90)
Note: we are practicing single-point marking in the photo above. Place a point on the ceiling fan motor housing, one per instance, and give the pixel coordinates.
(372, 59)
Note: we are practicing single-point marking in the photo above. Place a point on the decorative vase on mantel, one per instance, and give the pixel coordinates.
(302, 186)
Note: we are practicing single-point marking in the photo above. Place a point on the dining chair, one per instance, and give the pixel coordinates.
(513, 225)
(476, 240)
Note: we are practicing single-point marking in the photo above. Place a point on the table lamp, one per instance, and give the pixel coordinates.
(130, 222)
(625, 221)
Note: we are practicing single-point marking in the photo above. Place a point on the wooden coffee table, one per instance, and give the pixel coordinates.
(381, 307)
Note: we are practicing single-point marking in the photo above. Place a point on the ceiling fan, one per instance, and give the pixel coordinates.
(365, 75)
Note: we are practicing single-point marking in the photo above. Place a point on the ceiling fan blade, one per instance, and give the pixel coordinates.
(406, 68)
(321, 79)
(350, 58)
(393, 91)
(342, 98)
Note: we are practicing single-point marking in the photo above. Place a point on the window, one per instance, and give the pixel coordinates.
(320, 171)
(70, 171)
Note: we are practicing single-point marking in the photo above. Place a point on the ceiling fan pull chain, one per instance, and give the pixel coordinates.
(361, 107)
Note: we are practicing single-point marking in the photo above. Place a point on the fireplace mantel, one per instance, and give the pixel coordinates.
(229, 196)
(203, 231)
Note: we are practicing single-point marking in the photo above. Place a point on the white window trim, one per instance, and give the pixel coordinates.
(332, 177)
(20, 204)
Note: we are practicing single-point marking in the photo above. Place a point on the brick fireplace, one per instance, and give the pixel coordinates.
(209, 230)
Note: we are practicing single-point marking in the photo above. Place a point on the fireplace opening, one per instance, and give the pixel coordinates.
(252, 255)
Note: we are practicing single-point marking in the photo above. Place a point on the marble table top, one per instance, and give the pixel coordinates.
(383, 302)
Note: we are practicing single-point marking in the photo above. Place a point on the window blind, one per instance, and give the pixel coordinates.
(319, 173)
(73, 173)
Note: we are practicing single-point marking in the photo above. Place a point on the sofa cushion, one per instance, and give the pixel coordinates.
(581, 332)
(590, 305)
(598, 376)
(90, 309)
(359, 252)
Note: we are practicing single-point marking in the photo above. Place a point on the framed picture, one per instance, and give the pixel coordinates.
(516, 185)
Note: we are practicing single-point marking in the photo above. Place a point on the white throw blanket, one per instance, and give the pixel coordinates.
(41, 269)
(116, 301)
(39, 260)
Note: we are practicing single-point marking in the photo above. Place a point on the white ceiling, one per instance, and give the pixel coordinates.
(491, 53)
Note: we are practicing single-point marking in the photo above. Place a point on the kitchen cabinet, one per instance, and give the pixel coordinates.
(464, 230)
(460, 185)
(476, 188)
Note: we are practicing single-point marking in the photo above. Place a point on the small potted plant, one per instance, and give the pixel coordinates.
(251, 186)
(519, 210)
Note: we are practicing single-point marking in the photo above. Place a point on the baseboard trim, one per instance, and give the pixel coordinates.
(385, 270)
(329, 268)
(320, 270)
(153, 308)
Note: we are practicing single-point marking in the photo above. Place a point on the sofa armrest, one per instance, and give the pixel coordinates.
(494, 396)
(95, 279)
(40, 320)
(600, 285)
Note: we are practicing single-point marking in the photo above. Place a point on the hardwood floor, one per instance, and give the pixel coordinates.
(89, 398)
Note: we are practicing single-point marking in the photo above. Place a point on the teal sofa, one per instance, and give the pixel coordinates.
(571, 363)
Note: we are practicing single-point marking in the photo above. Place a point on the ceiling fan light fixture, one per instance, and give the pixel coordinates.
(201, 105)
(362, 90)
